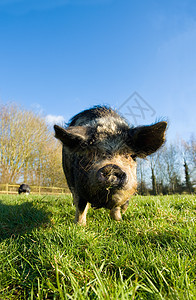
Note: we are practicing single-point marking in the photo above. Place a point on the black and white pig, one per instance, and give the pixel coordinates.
(24, 189)
(99, 158)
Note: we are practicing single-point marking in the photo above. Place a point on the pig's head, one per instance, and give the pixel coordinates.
(103, 158)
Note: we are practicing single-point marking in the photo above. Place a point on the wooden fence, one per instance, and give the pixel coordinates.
(35, 190)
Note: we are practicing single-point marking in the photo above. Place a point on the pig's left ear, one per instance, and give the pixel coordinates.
(145, 140)
(72, 136)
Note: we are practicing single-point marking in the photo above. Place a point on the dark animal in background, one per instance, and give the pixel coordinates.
(24, 188)
(99, 158)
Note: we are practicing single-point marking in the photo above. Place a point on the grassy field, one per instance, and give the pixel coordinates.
(149, 255)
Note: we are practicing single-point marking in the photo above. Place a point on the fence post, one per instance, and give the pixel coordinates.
(39, 190)
(6, 188)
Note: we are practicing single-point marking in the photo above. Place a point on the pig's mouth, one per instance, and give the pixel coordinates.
(104, 197)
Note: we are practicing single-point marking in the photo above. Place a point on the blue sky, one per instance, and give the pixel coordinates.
(60, 57)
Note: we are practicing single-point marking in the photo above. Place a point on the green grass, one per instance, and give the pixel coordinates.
(149, 255)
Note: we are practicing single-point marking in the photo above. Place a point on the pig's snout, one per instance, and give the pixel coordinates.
(111, 176)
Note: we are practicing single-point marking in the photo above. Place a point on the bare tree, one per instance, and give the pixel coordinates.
(187, 177)
(172, 169)
(28, 150)
(188, 150)
(141, 176)
(153, 161)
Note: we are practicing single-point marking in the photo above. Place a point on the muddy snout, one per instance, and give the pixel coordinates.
(111, 176)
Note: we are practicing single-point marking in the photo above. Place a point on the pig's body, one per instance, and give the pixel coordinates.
(24, 189)
(99, 151)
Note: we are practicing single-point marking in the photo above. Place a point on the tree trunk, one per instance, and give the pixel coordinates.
(154, 184)
(187, 178)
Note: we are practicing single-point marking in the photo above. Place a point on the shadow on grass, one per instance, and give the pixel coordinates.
(19, 219)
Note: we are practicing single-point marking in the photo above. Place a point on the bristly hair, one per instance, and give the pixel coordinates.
(95, 112)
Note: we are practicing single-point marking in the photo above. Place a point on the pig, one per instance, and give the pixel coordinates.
(24, 188)
(99, 158)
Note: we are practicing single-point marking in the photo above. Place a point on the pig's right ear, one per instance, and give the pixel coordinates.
(145, 140)
(72, 136)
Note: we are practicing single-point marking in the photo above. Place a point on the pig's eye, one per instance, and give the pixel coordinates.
(107, 154)
(104, 155)
(134, 157)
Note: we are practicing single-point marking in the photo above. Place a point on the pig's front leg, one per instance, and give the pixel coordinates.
(124, 206)
(115, 213)
(81, 212)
